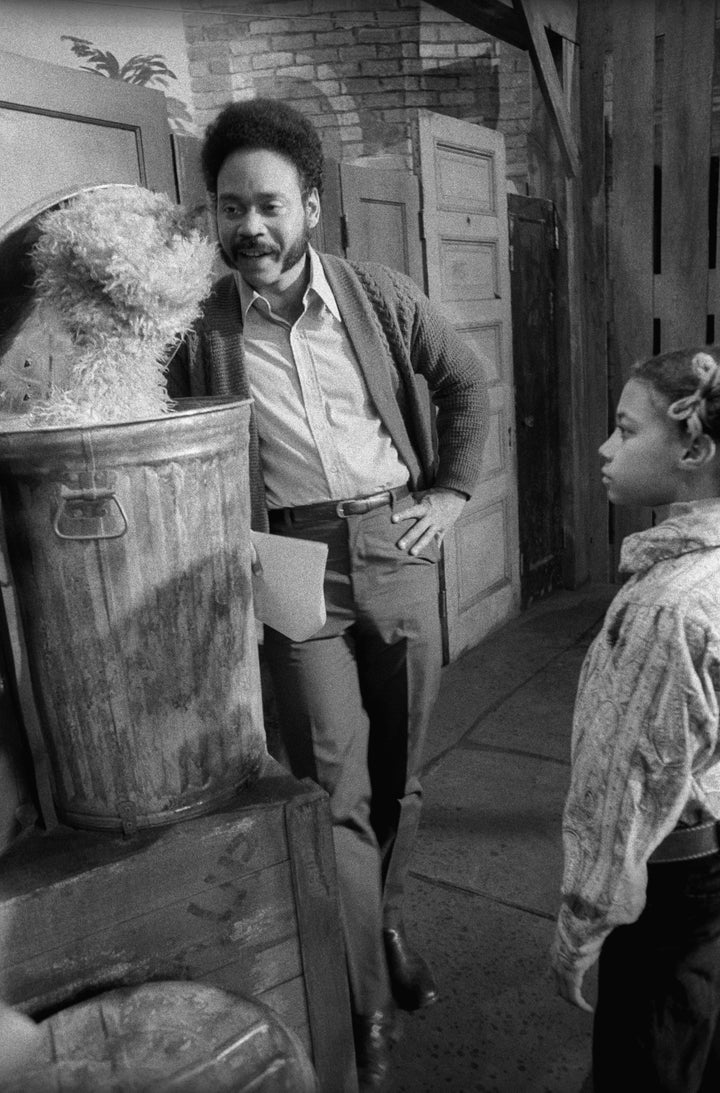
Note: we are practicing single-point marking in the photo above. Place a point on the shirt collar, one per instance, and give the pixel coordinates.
(318, 284)
(689, 526)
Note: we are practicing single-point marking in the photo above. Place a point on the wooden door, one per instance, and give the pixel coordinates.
(61, 130)
(381, 218)
(533, 262)
(462, 174)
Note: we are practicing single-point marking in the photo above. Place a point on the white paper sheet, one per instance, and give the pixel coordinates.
(288, 584)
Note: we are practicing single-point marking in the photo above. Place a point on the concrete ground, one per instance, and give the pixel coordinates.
(486, 871)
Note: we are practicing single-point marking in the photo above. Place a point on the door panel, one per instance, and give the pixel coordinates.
(63, 129)
(381, 210)
(462, 172)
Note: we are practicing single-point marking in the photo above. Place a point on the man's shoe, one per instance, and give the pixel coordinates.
(373, 1039)
(412, 981)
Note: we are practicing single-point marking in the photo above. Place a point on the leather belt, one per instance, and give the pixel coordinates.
(685, 843)
(330, 510)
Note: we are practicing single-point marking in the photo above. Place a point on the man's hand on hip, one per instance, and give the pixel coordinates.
(434, 514)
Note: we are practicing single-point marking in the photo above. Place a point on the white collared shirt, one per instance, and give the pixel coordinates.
(321, 437)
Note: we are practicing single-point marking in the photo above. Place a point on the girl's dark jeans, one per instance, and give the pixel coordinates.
(658, 1009)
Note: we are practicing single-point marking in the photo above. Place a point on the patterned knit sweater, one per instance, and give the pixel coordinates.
(402, 344)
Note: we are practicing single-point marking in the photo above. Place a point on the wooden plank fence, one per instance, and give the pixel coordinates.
(662, 169)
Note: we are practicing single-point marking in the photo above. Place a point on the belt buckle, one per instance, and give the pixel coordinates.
(354, 506)
(358, 506)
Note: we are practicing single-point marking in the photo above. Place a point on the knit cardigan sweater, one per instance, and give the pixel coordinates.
(398, 337)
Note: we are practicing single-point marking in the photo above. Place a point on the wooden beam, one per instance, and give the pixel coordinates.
(493, 16)
(550, 85)
(686, 123)
(560, 16)
(591, 228)
(630, 212)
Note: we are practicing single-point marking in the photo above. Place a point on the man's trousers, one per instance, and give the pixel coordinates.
(353, 706)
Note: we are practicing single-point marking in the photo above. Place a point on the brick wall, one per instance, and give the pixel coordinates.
(359, 69)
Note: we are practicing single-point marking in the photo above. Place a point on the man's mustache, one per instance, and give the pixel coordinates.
(253, 244)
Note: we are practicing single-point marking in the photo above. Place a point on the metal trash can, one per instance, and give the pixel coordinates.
(130, 549)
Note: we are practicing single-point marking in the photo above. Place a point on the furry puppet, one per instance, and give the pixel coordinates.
(120, 273)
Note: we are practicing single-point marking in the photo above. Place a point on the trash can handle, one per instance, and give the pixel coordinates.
(93, 522)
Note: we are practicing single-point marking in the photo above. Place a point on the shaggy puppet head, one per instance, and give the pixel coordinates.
(120, 276)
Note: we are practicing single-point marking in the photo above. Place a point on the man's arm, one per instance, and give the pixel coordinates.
(458, 388)
(457, 382)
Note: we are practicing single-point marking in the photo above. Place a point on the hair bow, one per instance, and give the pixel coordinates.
(692, 408)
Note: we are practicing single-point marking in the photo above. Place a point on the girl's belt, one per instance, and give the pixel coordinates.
(685, 843)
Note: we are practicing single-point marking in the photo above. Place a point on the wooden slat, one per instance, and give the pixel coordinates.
(562, 16)
(631, 195)
(686, 118)
(573, 369)
(228, 927)
(687, 94)
(593, 258)
(630, 228)
(288, 1001)
(312, 860)
(550, 86)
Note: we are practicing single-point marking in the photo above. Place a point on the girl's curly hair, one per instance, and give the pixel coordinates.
(263, 124)
(687, 382)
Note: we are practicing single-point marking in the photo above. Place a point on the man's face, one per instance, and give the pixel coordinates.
(263, 221)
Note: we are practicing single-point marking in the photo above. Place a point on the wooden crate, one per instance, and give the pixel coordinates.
(244, 898)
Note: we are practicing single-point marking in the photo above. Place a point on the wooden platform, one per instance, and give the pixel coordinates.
(244, 899)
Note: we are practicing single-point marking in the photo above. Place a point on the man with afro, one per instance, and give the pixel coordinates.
(344, 450)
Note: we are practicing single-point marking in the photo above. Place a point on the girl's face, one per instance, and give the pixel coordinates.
(642, 457)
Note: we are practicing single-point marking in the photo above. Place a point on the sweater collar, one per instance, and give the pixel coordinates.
(689, 527)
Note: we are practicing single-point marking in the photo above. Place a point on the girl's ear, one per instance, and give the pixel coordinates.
(699, 452)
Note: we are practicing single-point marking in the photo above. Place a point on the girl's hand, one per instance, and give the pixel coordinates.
(569, 986)
(569, 974)
(434, 514)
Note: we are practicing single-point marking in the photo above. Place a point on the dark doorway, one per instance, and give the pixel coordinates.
(533, 273)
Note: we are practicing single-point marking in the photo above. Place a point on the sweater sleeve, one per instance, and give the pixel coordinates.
(646, 724)
(457, 383)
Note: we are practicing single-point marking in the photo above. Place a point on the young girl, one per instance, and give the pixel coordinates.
(641, 885)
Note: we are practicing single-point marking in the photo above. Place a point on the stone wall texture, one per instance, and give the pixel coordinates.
(359, 70)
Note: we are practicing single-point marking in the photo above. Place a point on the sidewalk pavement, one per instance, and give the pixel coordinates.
(484, 889)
